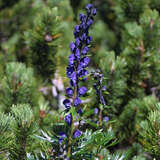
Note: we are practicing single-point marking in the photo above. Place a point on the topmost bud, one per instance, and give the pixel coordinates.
(90, 9)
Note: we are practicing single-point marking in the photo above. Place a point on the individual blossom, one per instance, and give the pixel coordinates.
(96, 111)
(106, 119)
(82, 91)
(62, 136)
(68, 119)
(69, 92)
(77, 133)
(67, 103)
(77, 101)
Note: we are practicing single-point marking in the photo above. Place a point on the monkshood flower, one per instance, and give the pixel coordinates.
(106, 119)
(78, 61)
(98, 77)
(76, 71)
(98, 86)
(77, 133)
(62, 136)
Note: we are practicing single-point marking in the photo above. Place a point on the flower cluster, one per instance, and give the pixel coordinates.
(98, 86)
(98, 77)
(78, 61)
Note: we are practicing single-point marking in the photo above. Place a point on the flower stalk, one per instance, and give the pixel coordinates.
(76, 70)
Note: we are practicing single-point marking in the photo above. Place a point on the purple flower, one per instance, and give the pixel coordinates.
(77, 42)
(62, 136)
(88, 40)
(83, 37)
(74, 78)
(106, 119)
(69, 92)
(90, 21)
(78, 61)
(85, 50)
(82, 17)
(71, 59)
(78, 54)
(88, 8)
(77, 28)
(68, 119)
(102, 100)
(94, 11)
(96, 111)
(83, 25)
(67, 103)
(77, 133)
(77, 101)
(69, 71)
(82, 90)
(85, 61)
(72, 46)
(104, 88)
(83, 72)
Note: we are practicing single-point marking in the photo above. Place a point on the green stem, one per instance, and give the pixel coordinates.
(72, 128)
(70, 141)
(100, 117)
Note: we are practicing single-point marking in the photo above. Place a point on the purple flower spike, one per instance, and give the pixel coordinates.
(67, 103)
(82, 90)
(68, 119)
(78, 61)
(77, 101)
(69, 92)
(77, 133)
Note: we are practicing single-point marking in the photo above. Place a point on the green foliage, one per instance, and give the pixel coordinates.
(42, 41)
(13, 23)
(18, 86)
(114, 71)
(134, 112)
(23, 128)
(150, 132)
(127, 10)
(6, 135)
(17, 131)
(125, 48)
(7, 3)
